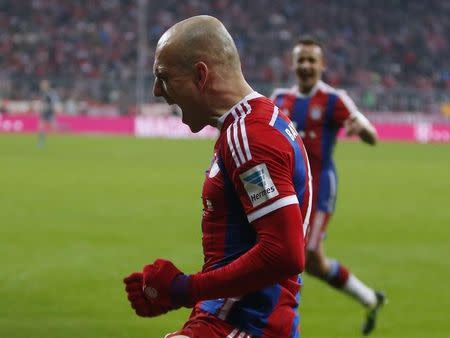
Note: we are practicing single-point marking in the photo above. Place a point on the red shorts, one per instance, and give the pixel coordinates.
(317, 229)
(204, 325)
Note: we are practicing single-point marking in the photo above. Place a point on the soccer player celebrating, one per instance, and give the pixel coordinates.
(256, 197)
(318, 111)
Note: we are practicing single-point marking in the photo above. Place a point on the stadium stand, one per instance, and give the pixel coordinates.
(392, 55)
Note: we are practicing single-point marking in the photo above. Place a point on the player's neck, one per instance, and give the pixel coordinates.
(307, 90)
(224, 97)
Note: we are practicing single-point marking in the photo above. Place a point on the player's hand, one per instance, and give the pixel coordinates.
(352, 127)
(139, 302)
(166, 285)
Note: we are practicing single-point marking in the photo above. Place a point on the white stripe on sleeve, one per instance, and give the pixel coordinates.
(348, 102)
(230, 145)
(234, 113)
(282, 202)
(274, 116)
(245, 140)
(237, 143)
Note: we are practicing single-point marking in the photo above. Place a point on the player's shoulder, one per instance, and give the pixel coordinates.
(265, 130)
(328, 89)
(252, 112)
(341, 95)
(252, 126)
(261, 112)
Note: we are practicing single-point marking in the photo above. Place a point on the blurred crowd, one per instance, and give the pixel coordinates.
(88, 48)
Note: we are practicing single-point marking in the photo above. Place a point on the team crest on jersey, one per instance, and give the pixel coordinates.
(258, 184)
(316, 112)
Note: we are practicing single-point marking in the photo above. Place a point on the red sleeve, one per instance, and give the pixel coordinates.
(345, 107)
(278, 255)
(262, 176)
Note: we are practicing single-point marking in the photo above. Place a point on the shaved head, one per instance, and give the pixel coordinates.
(197, 67)
(200, 38)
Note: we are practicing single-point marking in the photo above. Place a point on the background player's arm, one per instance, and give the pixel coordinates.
(354, 122)
(358, 124)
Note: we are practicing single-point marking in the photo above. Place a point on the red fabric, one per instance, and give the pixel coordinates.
(243, 146)
(277, 256)
(343, 109)
(280, 322)
(317, 228)
(316, 123)
(139, 302)
(277, 155)
(158, 279)
(202, 324)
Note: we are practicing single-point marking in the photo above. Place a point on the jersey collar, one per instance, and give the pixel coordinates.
(319, 84)
(251, 96)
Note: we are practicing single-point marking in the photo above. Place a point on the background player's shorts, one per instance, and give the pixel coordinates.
(326, 195)
(317, 229)
(204, 325)
(325, 204)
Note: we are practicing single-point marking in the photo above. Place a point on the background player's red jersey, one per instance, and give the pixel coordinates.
(318, 117)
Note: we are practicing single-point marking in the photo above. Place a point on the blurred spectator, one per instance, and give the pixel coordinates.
(88, 48)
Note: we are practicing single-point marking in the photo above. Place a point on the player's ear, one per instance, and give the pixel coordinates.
(201, 75)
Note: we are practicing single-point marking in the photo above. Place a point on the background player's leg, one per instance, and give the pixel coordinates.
(338, 276)
(330, 270)
(41, 133)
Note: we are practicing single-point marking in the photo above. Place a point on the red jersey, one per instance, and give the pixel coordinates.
(259, 166)
(318, 116)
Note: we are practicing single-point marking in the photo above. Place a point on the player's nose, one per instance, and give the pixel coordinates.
(304, 65)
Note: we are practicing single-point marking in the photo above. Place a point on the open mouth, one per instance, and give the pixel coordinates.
(305, 76)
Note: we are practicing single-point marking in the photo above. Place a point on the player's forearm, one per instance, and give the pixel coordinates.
(250, 273)
(278, 255)
(368, 135)
(359, 125)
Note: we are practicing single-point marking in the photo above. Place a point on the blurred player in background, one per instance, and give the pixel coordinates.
(47, 121)
(318, 112)
(256, 197)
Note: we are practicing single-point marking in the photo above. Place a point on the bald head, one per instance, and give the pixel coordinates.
(200, 38)
(197, 67)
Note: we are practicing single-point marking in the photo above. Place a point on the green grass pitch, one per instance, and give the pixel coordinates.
(81, 213)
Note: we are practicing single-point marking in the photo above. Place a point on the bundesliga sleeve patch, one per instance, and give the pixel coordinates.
(258, 184)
